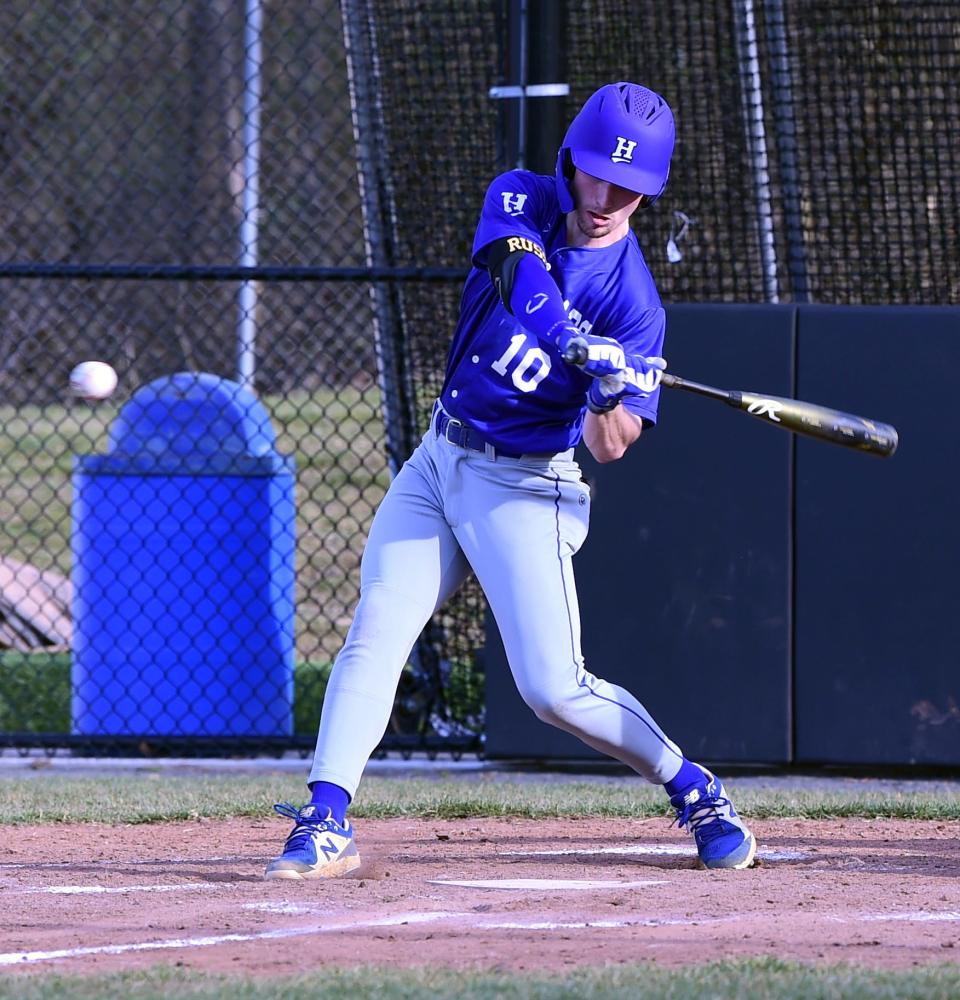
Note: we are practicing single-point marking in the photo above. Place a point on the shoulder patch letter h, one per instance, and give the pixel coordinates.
(513, 203)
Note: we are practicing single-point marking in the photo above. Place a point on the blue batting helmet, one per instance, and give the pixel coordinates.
(623, 134)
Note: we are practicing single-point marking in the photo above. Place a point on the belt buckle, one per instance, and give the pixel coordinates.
(459, 430)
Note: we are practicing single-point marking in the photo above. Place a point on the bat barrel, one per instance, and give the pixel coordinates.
(823, 423)
(868, 435)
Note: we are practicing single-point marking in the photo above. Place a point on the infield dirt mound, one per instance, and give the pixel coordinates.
(876, 892)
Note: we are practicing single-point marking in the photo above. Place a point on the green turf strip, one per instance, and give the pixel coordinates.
(156, 796)
(747, 980)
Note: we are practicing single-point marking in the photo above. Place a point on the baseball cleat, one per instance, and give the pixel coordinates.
(318, 847)
(723, 841)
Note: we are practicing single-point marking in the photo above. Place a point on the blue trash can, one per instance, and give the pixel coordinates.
(183, 568)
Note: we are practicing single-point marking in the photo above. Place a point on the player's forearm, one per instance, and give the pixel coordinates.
(535, 299)
(608, 435)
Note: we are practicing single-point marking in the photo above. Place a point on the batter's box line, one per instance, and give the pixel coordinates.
(913, 916)
(28, 957)
(509, 923)
(12, 865)
(97, 890)
(551, 884)
(667, 850)
(623, 922)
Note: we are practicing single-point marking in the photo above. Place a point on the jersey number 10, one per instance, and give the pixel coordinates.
(529, 371)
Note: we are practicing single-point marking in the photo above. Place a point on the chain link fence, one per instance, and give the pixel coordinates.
(282, 196)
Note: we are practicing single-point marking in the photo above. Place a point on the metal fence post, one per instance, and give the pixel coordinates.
(752, 91)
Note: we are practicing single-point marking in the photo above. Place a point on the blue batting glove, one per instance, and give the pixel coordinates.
(597, 356)
(639, 377)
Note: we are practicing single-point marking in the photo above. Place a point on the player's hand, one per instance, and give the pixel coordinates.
(639, 377)
(597, 356)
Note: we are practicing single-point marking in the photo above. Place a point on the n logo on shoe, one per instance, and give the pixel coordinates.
(329, 849)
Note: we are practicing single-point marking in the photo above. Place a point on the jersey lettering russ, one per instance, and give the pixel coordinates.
(500, 378)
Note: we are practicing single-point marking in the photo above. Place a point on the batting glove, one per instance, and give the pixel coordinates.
(639, 377)
(597, 356)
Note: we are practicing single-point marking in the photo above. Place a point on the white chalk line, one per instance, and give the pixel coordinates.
(919, 916)
(159, 862)
(296, 909)
(544, 925)
(685, 850)
(300, 909)
(419, 918)
(22, 957)
(287, 909)
(546, 883)
(93, 890)
(915, 916)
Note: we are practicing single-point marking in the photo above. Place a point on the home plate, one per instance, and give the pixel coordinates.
(546, 883)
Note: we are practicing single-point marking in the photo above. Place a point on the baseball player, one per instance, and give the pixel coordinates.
(558, 277)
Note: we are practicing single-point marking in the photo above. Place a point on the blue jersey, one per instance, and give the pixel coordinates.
(501, 379)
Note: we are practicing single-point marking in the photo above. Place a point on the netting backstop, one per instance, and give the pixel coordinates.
(283, 195)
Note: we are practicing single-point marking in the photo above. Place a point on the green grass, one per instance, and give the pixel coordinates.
(152, 796)
(37, 445)
(309, 686)
(35, 693)
(756, 979)
(335, 436)
(337, 440)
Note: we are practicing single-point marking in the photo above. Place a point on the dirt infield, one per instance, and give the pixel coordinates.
(556, 893)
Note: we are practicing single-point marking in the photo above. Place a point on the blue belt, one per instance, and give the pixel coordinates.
(456, 432)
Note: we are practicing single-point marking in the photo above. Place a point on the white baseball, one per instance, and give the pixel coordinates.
(93, 380)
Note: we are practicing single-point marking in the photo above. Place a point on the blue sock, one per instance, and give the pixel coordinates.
(688, 775)
(332, 797)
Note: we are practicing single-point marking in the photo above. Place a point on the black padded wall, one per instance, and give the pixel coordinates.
(878, 542)
(684, 581)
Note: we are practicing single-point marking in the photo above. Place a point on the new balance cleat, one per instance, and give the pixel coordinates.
(723, 841)
(318, 847)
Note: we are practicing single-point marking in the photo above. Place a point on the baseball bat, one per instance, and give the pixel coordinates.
(811, 419)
